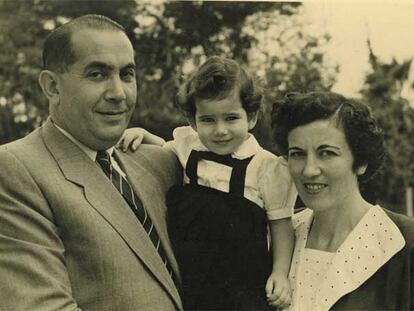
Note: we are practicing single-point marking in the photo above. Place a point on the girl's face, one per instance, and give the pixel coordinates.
(222, 125)
(320, 162)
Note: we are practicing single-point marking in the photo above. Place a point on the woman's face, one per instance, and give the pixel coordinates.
(320, 162)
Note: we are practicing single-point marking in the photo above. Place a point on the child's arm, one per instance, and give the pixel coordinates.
(278, 289)
(133, 137)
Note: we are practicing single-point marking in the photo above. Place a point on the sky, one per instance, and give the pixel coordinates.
(389, 25)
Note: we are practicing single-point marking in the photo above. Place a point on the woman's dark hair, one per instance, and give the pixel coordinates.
(362, 133)
(216, 79)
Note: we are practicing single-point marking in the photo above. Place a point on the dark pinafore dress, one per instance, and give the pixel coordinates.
(220, 241)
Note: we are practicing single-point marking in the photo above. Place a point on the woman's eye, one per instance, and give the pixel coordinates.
(295, 154)
(325, 153)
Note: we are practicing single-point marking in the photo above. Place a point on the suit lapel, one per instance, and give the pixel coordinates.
(147, 188)
(78, 168)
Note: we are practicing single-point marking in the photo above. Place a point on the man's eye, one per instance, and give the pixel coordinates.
(128, 75)
(96, 75)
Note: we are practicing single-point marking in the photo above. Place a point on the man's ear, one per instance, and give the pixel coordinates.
(361, 170)
(252, 119)
(48, 81)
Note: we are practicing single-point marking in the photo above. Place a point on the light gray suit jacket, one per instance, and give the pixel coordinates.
(68, 239)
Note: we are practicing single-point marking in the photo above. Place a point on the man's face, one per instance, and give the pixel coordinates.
(97, 93)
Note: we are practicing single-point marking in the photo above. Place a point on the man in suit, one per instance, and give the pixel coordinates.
(71, 236)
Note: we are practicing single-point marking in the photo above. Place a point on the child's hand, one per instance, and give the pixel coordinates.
(132, 138)
(278, 291)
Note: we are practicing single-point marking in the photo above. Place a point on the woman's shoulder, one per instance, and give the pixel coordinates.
(404, 223)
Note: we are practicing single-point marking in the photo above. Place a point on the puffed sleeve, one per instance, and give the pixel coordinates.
(276, 187)
(184, 139)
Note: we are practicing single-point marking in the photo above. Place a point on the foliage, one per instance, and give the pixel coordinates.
(23, 27)
(289, 53)
(382, 91)
(171, 38)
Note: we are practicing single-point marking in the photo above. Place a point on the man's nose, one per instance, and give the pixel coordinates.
(115, 92)
(312, 167)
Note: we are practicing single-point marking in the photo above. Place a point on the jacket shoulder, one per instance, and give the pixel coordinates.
(159, 161)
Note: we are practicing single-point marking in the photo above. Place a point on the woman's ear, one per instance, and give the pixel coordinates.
(252, 119)
(49, 83)
(191, 121)
(361, 170)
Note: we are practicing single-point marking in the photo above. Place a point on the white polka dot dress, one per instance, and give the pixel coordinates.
(319, 279)
(314, 264)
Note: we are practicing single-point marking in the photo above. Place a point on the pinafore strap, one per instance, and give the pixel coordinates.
(238, 173)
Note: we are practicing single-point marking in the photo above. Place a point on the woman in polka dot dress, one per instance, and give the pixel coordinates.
(349, 254)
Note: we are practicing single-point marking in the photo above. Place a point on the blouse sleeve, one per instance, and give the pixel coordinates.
(276, 187)
(182, 143)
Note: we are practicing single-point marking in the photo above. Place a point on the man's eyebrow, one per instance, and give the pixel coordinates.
(97, 64)
(130, 66)
(101, 65)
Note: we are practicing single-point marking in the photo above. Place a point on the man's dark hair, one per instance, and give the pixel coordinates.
(57, 50)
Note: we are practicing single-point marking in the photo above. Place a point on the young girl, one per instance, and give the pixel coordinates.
(232, 190)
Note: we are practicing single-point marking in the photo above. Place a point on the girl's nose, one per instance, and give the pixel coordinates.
(220, 129)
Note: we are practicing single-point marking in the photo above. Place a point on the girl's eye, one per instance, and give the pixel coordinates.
(232, 118)
(207, 120)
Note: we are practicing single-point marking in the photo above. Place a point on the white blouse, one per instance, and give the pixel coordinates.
(373, 241)
(268, 182)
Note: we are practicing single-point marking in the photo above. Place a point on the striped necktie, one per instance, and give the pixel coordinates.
(123, 186)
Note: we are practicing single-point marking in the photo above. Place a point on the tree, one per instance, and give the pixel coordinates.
(382, 91)
(24, 26)
(290, 54)
(171, 38)
(175, 37)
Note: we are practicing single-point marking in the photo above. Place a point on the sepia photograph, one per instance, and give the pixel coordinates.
(206, 155)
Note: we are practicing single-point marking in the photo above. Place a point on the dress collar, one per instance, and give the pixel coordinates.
(373, 241)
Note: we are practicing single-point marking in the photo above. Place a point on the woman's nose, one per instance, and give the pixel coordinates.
(312, 167)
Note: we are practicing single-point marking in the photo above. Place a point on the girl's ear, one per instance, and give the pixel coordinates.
(49, 83)
(191, 121)
(252, 119)
(361, 170)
